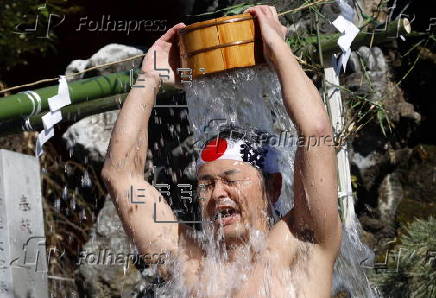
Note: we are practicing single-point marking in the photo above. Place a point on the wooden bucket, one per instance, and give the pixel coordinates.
(220, 44)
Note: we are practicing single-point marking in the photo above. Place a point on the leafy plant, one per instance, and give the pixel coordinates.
(230, 11)
(26, 28)
(416, 272)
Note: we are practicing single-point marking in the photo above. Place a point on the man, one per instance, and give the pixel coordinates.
(296, 255)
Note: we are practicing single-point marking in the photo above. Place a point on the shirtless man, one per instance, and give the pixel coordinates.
(234, 194)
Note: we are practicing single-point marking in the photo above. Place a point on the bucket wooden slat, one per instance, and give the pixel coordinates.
(242, 55)
(220, 44)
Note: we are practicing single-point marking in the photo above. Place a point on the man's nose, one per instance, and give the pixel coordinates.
(219, 190)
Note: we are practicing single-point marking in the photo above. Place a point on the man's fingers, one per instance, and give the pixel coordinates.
(285, 31)
(179, 26)
(169, 35)
(265, 9)
(250, 10)
(274, 11)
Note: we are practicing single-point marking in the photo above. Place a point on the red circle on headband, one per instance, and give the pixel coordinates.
(214, 149)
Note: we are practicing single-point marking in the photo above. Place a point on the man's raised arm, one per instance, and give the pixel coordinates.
(123, 170)
(315, 214)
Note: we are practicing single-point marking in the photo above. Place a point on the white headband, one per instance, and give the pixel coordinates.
(221, 148)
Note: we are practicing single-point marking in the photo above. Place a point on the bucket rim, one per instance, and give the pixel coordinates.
(216, 22)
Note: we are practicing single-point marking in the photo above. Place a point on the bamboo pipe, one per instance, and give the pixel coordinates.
(329, 43)
(18, 105)
(73, 113)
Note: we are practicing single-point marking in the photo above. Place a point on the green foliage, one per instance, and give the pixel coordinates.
(22, 35)
(231, 10)
(416, 274)
(238, 9)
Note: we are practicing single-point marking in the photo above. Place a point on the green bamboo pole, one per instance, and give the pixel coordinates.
(19, 105)
(76, 112)
(71, 113)
(329, 42)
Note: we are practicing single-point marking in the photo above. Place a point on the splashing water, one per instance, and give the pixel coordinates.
(86, 180)
(251, 98)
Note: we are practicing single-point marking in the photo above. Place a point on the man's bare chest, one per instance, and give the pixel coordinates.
(261, 278)
(268, 275)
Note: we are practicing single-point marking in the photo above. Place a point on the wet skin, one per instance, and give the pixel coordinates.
(304, 243)
(294, 261)
(237, 187)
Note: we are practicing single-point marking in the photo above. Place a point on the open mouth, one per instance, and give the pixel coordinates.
(226, 212)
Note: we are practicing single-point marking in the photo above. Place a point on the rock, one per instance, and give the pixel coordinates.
(369, 164)
(370, 224)
(104, 259)
(369, 239)
(418, 177)
(390, 195)
(78, 66)
(109, 53)
(371, 157)
(170, 148)
(91, 134)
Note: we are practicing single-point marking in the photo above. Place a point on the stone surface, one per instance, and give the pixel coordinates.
(110, 53)
(170, 151)
(23, 260)
(91, 134)
(103, 274)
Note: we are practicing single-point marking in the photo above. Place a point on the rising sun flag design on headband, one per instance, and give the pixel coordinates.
(263, 157)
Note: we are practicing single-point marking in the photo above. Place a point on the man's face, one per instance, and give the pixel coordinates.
(231, 195)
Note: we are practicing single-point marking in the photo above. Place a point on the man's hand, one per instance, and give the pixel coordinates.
(272, 31)
(315, 177)
(167, 57)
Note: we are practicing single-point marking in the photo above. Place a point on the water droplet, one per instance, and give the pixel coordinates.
(57, 205)
(65, 193)
(73, 203)
(86, 180)
(82, 215)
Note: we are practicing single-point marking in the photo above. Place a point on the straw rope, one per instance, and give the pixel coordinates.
(72, 74)
(142, 55)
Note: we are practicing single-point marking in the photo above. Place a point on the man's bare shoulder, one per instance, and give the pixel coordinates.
(294, 243)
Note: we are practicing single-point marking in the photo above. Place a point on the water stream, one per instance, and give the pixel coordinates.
(251, 98)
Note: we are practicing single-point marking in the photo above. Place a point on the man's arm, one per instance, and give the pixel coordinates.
(123, 173)
(315, 176)
(315, 214)
(123, 170)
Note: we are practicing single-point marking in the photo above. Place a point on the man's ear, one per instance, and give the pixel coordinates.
(274, 186)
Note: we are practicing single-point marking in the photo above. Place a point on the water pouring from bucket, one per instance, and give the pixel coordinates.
(249, 245)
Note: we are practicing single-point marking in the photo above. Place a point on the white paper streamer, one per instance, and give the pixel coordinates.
(43, 137)
(341, 61)
(344, 24)
(53, 116)
(62, 98)
(348, 30)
